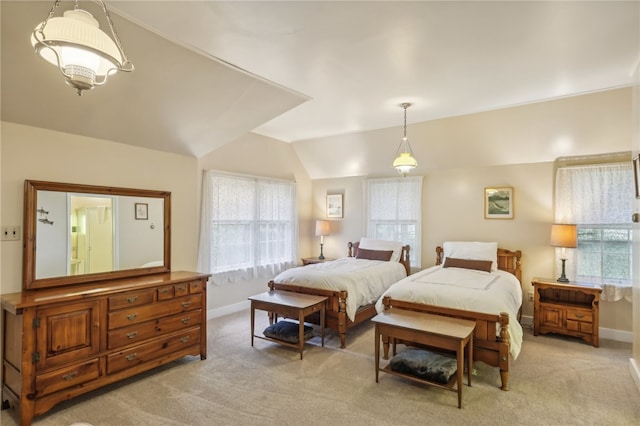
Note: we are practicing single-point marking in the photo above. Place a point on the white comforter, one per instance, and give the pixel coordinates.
(364, 280)
(470, 290)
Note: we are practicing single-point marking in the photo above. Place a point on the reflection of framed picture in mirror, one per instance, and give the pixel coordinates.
(498, 203)
(334, 205)
(142, 211)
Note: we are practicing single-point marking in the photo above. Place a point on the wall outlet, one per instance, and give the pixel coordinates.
(10, 233)
(531, 296)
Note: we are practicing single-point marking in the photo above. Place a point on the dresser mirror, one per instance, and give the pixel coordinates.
(75, 234)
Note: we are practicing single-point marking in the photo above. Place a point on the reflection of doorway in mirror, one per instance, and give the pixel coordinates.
(92, 243)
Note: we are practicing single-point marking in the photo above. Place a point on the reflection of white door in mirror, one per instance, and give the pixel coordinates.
(93, 225)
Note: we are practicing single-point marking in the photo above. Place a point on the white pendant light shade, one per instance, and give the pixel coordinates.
(84, 54)
(405, 161)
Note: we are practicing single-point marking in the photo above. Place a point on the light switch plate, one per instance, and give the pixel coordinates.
(10, 233)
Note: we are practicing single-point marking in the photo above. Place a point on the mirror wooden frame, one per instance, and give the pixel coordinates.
(31, 188)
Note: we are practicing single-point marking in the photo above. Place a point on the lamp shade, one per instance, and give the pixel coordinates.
(84, 54)
(322, 228)
(564, 235)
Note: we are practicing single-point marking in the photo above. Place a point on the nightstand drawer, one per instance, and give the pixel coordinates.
(579, 326)
(579, 316)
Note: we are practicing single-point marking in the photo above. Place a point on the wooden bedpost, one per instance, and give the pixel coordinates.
(439, 253)
(386, 303)
(505, 345)
(342, 318)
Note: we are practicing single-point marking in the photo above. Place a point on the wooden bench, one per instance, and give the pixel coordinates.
(435, 331)
(291, 305)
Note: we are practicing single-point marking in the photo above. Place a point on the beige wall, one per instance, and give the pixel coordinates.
(591, 124)
(452, 209)
(259, 156)
(33, 153)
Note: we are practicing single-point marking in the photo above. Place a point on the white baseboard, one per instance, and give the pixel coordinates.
(634, 369)
(619, 335)
(525, 321)
(229, 309)
(604, 333)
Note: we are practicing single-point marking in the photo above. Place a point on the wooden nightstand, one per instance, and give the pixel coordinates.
(312, 260)
(570, 308)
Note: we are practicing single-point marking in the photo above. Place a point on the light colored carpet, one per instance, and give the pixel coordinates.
(555, 381)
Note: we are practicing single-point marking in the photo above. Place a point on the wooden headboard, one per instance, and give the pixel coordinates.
(404, 255)
(508, 260)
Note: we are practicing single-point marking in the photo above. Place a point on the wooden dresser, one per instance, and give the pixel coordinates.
(63, 342)
(570, 308)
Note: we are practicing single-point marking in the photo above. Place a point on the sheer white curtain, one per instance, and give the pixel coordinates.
(599, 197)
(248, 227)
(394, 212)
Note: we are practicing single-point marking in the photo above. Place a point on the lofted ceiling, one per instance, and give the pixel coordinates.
(208, 72)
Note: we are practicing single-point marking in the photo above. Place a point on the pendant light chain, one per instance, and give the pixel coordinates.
(115, 35)
(51, 12)
(405, 106)
(404, 161)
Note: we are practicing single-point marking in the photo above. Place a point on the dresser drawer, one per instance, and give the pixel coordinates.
(146, 330)
(180, 289)
(166, 292)
(140, 314)
(66, 377)
(127, 300)
(584, 316)
(155, 349)
(195, 287)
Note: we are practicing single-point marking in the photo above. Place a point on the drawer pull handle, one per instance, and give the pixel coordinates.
(181, 288)
(185, 339)
(132, 317)
(132, 335)
(185, 304)
(131, 357)
(70, 376)
(132, 299)
(164, 291)
(579, 315)
(186, 320)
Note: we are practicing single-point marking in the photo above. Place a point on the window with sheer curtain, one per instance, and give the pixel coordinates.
(248, 227)
(599, 200)
(394, 212)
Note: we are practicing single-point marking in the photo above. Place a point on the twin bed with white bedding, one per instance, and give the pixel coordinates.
(476, 281)
(351, 284)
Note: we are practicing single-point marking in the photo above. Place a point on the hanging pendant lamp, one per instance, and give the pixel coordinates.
(85, 55)
(404, 161)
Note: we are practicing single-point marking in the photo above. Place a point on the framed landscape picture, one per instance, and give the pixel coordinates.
(334, 205)
(498, 203)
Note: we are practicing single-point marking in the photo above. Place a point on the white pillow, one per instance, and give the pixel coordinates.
(370, 244)
(472, 250)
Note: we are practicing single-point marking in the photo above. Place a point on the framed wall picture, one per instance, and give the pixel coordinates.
(334, 205)
(142, 211)
(498, 203)
(636, 174)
